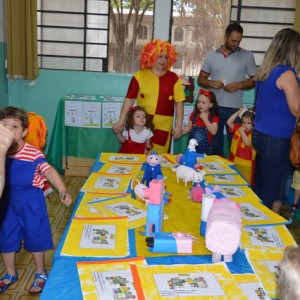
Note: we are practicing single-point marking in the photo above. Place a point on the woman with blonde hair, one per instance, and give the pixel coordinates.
(159, 91)
(277, 103)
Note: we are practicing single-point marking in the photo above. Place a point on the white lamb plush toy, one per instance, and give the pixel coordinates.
(223, 231)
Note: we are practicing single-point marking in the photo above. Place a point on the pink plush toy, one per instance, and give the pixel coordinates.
(139, 189)
(223, 231)
(196, 193)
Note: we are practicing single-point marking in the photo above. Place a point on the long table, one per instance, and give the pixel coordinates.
(63, 282)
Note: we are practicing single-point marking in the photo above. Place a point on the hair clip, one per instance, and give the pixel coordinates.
(205, 92)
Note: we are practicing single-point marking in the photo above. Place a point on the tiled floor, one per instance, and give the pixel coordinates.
(59, 216)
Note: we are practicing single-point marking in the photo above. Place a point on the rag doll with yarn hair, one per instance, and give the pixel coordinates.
(37, 136)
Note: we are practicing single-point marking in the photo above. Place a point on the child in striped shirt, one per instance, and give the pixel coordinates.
(23, 211)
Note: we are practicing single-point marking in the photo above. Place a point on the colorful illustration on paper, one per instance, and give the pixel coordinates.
(273, 267)
(98, 236)
(126, 209)
(110, 113)
(250, 212)
(254, 291)
(231, 191)
(264, 236)
(91, 114)
(104, 182)
(202, 281)
(114, 285)
(265, 263)
(215, 167)
(119, 170)
(85, 210)
(185, 284)
(232, 179)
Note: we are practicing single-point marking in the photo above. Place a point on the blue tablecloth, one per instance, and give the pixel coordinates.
(63, 282)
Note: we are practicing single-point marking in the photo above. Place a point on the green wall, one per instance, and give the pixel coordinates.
(50, 86)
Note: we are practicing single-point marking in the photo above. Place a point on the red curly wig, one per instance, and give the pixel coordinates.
(155, 48)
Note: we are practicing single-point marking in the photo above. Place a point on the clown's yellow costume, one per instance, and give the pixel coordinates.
(157, 92)
(157, 95)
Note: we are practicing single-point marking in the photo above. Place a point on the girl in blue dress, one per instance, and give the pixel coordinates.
(203, 122)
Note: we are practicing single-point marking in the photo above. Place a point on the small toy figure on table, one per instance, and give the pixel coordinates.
(189, 159)
(152, 168)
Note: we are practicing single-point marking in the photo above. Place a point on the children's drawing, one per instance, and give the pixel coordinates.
(126, 209)
(250, 213)
(98, 236)
(114, 285)
(186, 284)
(266, 236)
(110, 183)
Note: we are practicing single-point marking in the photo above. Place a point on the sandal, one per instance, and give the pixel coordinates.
(12, 278)
(39, 283)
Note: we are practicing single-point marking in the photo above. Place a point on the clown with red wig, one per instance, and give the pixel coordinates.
(159, 91)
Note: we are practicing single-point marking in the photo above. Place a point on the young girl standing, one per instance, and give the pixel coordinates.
(241, 151)
(203, 121)
(136, 138)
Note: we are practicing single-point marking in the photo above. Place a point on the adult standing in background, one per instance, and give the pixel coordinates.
(277, 104)
(228, 71)
(159, 91)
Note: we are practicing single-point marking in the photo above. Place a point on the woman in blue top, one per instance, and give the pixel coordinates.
(277, 104)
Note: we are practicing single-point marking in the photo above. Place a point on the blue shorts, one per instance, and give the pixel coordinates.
(24, 218)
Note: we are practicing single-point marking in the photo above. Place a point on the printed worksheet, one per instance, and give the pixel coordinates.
(107, 183)
(73, 113)
(114, 285)
(110, 113)
(186, 284)
(266, 236)
(251, 286)
(91, 114)
(216, 167)
(98, 236)
(250, 212)
(108, 279)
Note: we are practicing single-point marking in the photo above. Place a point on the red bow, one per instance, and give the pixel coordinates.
(133, 108)
(205, 92)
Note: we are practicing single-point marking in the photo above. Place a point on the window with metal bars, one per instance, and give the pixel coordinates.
(73, 34)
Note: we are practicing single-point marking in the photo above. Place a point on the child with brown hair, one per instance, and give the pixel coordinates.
(241, 151)
(136, 138)
(23, 211)
(289, 274)
(203, 122)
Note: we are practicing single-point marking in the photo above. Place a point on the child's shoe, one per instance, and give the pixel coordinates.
(12, 278)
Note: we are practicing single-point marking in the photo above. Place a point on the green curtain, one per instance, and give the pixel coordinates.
(21, 39)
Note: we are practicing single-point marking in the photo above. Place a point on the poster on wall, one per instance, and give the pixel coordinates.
(91, 114)
(110, 113)
(73, 113)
